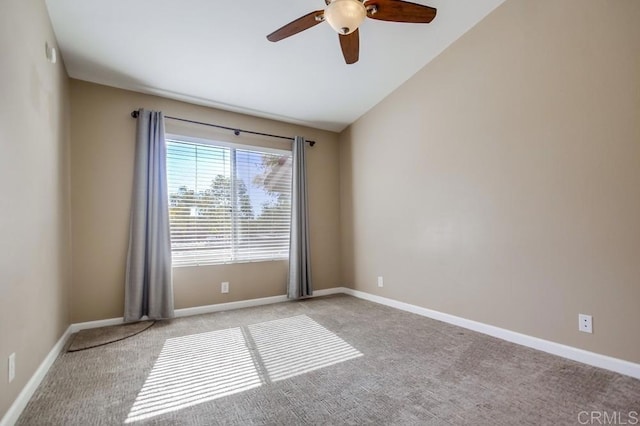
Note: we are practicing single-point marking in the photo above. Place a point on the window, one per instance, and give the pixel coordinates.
(227, 204)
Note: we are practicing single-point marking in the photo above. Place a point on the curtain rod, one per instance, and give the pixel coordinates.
(235, 131)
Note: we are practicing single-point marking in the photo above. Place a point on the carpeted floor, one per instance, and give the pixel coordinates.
(94, 337)
(331, 361)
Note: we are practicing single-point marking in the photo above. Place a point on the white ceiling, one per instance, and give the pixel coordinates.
(216, 53)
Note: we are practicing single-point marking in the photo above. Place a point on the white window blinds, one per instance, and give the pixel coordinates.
(227, 204)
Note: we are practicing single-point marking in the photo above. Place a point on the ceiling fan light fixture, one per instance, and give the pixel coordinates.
(345, 16)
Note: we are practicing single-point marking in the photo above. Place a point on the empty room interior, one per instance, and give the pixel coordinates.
(319, 212)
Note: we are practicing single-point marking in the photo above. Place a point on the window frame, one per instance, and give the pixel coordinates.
(175, 137)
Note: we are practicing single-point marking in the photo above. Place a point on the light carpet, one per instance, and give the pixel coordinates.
(94, 337)
(335, 360)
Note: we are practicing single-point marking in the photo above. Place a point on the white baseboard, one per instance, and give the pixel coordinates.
(207, 309)
(580, 355)
(570, 352)
(27, 392)
(11, 416)
(329, 291)
(95, 324)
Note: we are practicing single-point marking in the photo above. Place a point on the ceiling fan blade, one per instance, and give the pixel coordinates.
(294, 27)
(350, 46)
(400, 11)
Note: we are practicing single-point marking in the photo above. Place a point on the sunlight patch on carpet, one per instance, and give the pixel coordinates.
(202, 367)
(194, 369)
(292, 346)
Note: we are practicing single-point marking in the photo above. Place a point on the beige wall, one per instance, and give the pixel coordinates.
(102, 149)
(502, 182)
(34, 206)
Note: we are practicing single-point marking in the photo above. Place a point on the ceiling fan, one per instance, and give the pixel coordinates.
(345, 16)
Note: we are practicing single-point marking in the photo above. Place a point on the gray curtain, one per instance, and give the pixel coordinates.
(148, 281)
(299, 284)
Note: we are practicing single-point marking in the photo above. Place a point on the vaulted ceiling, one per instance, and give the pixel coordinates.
(216, 53)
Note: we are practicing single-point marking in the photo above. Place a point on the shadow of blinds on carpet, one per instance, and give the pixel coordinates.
(202, 367)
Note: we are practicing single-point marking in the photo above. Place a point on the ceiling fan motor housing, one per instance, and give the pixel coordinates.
(345, 16)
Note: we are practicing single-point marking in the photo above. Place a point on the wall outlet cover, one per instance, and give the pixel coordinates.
(585, 323)
(12, 367)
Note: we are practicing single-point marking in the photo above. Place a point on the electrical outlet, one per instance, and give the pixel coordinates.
(380, 282)
(585, 323)
(224, 287)
(12, 367)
